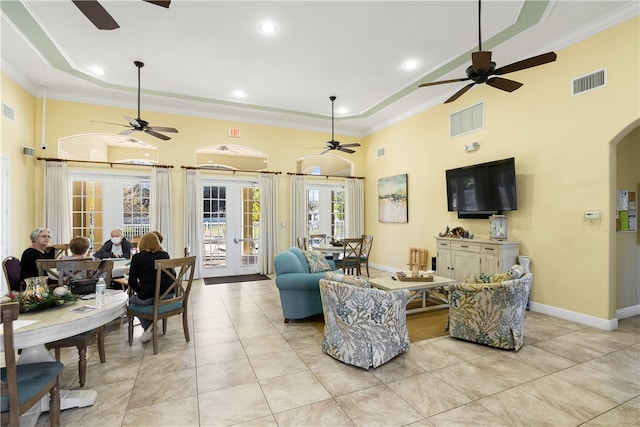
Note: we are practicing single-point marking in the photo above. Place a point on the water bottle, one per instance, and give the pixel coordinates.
(101, 286)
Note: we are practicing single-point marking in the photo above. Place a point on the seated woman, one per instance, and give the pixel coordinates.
(142, 276)
(79, 247)
(40, 238)
(116, 247)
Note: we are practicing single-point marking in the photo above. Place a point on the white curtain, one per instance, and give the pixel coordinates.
(193, 217)
(268, 184)
(298, 215)
(160, 206)
(354, 207)
(57, 205)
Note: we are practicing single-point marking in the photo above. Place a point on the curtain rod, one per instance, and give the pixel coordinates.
(324, 176)
(227, 170)
(50, 159)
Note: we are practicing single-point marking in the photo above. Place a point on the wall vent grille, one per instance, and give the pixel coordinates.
(467, 120)
(380, 152)
(589, 82)
(8, 112)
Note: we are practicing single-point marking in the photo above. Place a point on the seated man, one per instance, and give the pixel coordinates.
(116, 247)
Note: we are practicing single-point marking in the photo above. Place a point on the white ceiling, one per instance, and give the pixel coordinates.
(197, 53)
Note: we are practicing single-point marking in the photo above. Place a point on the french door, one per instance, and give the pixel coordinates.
(230, 228)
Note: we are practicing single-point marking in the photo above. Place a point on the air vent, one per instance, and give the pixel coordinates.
(8, 112)
(467, 120)
(589, 82)
(380, 152)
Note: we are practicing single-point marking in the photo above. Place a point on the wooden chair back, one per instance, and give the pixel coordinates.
(367, 244)
(75, 267)
(47, 374)
(351, 253)
(316, 239)
(61, 250)
(301, 242)
(11, 268)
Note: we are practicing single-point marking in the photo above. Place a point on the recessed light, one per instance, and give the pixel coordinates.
(239, 93)
(410, 64)
(343, 110)
(97, 71)
(267, 27)
(146, 154)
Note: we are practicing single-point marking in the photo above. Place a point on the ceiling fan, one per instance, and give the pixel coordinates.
(482, 68)
(139, 124)
(333, 144)
(99, 16)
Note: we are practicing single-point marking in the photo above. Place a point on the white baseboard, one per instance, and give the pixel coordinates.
(584, 319)
(623, 313)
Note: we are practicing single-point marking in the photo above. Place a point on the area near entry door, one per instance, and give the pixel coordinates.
(230, 228)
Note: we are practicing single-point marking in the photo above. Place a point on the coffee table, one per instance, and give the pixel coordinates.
(420, 290)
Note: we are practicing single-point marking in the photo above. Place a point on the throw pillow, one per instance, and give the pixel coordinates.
(317, 261)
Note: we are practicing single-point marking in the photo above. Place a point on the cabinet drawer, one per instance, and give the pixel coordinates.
(465, 246)
(444, 244)
(489, 249)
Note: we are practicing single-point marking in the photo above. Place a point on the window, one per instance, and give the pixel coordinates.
(102, 202)
(325, 210)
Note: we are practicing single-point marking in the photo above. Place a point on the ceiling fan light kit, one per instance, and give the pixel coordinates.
(483, 69)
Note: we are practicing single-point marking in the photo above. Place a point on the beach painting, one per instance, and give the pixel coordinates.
(393, 202)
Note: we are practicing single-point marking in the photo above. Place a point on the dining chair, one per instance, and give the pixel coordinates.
(301, 242)
(172, 302)
(58, 268)
(367, 243)
(25, 385)
(351, 253)
(316, 239)
(11, 268)
(61, 250)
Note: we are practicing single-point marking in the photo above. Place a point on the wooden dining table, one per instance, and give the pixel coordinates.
(33, 330)
(329, 249)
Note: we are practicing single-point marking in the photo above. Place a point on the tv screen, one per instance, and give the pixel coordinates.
(483, 189)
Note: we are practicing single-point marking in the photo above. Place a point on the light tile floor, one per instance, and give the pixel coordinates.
(244, 366)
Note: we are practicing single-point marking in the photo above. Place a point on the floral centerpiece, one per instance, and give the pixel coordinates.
(38, 296)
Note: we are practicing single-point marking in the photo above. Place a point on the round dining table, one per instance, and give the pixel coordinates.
(33, 330)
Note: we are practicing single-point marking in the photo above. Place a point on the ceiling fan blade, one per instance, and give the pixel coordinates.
(504, 84)
(355, 144)
(109, 123)
(162, 129)
(459, 93)
(127, 132)
(327, 150)
(444, 82)
(481, 61)
(534, 61)
(160, 3)
(157, 135)
(97, 14)
(346, 150)
(133, 122)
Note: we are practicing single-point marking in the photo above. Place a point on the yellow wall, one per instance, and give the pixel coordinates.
(562, 145)
(16, 134)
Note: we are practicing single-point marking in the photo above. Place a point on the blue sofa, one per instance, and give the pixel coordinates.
(299, 288)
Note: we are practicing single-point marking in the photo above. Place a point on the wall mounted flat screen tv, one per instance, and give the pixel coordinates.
(481, 190)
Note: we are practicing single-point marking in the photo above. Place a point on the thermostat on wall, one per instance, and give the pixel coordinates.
(591, 214)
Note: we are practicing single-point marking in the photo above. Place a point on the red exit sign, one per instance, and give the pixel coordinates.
(234, 133)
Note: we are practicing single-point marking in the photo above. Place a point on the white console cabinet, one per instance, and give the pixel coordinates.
(457, 258)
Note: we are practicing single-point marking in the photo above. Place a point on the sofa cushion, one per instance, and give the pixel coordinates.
(317, 262)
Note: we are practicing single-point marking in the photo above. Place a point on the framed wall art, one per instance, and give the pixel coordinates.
(393, 201)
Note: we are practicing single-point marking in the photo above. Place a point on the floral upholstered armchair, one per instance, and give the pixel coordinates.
(490, 313)
(363, 326)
